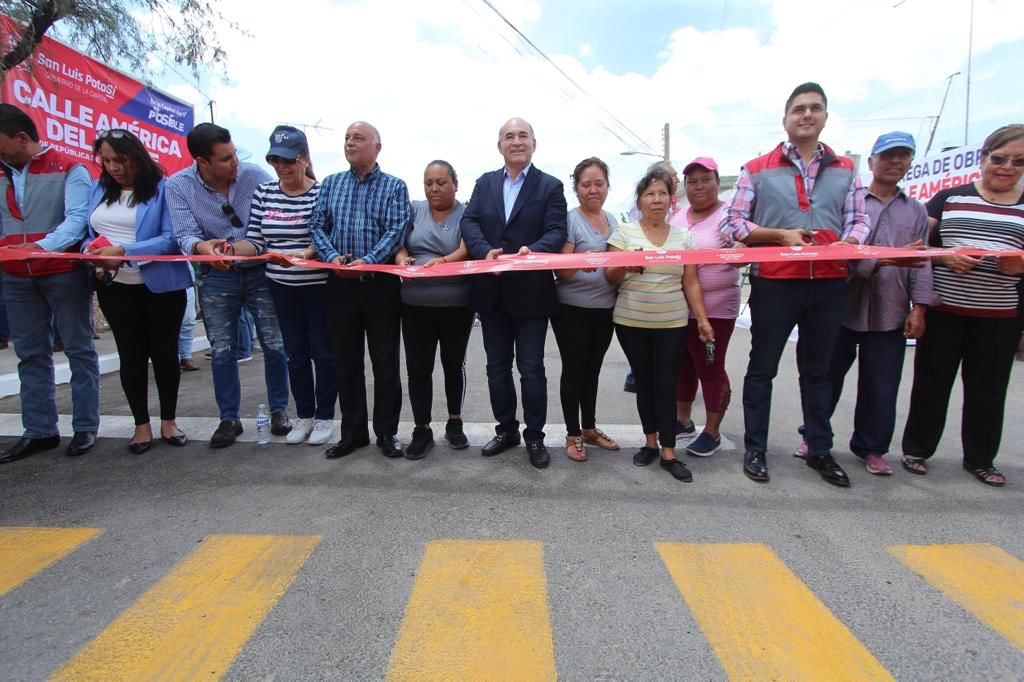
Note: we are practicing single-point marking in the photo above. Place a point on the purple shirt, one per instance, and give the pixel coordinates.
(879, 300)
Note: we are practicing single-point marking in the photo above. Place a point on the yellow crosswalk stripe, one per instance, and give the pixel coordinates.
(761, 620)
(195, 620)
(27, 551)
(478, 611)
(981, 578)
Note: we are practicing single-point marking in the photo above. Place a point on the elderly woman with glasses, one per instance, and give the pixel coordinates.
(144, 301)
(977, 326)
(279, 225)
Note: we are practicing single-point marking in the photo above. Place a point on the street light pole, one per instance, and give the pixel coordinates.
(664, 156)
(664, 135)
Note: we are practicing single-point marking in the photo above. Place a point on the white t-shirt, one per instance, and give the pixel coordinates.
(116, 222)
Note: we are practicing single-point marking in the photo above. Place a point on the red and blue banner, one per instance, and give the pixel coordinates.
(72, 97)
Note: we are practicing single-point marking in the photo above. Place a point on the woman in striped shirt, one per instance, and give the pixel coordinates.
(977, 326)
(650, 317)
(279, 224)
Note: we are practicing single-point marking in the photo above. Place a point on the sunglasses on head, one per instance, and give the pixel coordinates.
(1002, 159)
(280, 161)
(116, 133)
(229, 211)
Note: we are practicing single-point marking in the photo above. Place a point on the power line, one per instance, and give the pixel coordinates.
(568, 78)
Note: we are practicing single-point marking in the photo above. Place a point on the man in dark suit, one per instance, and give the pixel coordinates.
(515, 210)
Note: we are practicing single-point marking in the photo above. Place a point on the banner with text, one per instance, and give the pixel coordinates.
(72, 97)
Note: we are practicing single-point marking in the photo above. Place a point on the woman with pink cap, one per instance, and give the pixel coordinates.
(705, 363)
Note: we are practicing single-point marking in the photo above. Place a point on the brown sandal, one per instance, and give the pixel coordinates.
(601, 440)
(574, 449)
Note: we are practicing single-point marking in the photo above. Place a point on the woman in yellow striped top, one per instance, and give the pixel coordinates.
(651, 314)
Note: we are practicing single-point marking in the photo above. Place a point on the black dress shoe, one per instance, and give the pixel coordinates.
(346, 446)
(645, 456)
(280, 425)
(139, 447)
(422, 441)
(454, 435)
(539, 456)
(500, 443)
(176, 441)
(755, 465)
(81, 443)
(390, 446)
(26, 447)
(227, 431)
(829, 469)
(677, 469)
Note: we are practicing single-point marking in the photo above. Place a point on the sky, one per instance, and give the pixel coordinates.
(438, 78)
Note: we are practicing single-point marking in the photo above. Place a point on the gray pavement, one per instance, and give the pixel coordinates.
(614, 610)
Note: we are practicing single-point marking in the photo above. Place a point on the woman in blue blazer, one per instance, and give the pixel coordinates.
(143, 301)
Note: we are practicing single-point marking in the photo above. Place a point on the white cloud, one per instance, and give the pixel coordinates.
(439, 78)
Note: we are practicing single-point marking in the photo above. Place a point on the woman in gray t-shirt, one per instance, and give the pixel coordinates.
(434, 309)
(583, 326)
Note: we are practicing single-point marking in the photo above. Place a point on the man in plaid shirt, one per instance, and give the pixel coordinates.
(798, 194)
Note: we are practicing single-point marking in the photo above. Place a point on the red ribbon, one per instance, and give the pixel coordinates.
(567, 261)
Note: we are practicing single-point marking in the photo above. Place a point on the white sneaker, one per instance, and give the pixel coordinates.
(301, 429)
(323, 431)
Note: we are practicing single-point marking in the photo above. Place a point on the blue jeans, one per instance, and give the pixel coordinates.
(35, 306)
(302, 312)
(508, 338)
(222, 296)
(815, 307)
(879, 371)
(246, 325)
(188, 325)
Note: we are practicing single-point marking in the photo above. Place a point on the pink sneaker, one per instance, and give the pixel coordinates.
(801, 451)
(876, 464)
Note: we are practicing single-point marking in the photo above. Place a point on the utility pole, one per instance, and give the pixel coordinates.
(970, 48)
(211, 111)
(664, 135)
(949, 82)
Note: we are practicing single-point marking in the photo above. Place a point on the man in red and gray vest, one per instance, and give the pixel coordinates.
(800, 193)
(44, 204)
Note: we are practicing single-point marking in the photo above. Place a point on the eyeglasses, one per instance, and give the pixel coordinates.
(116, 133)
(1003, 159)
(281, 161)
(229, 211)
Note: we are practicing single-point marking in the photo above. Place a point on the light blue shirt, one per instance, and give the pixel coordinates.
(76, 205)
(510, 189)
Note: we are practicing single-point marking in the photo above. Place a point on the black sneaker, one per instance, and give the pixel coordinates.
(422, 441)
(453, 434)
(677, 469)
(645, 456)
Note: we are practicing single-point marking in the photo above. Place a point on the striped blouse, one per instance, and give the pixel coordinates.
(278, 222)
(652, 299)
(967, 219)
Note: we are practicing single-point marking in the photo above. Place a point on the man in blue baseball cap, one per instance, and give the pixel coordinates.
(885, 304)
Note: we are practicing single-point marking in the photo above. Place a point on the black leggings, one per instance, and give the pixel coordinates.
(145, 327)
(653, 355)
(423, 329)
(583, 336)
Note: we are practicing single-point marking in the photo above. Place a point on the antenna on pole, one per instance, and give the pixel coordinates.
(949, 82)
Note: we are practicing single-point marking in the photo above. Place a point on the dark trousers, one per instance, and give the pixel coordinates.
(653, 355)
(983, 349)
(879, 370)
(583, 336)
(519, 339)
(145, 327)
(424, 328)
(369, 310)
(815, 307)
(302, 314)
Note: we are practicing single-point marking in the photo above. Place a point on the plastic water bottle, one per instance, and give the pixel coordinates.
(262, 425)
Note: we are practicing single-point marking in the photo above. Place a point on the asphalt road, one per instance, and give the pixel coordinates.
(614, 610)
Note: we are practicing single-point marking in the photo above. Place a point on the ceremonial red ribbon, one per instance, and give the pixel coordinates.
(567, 261)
